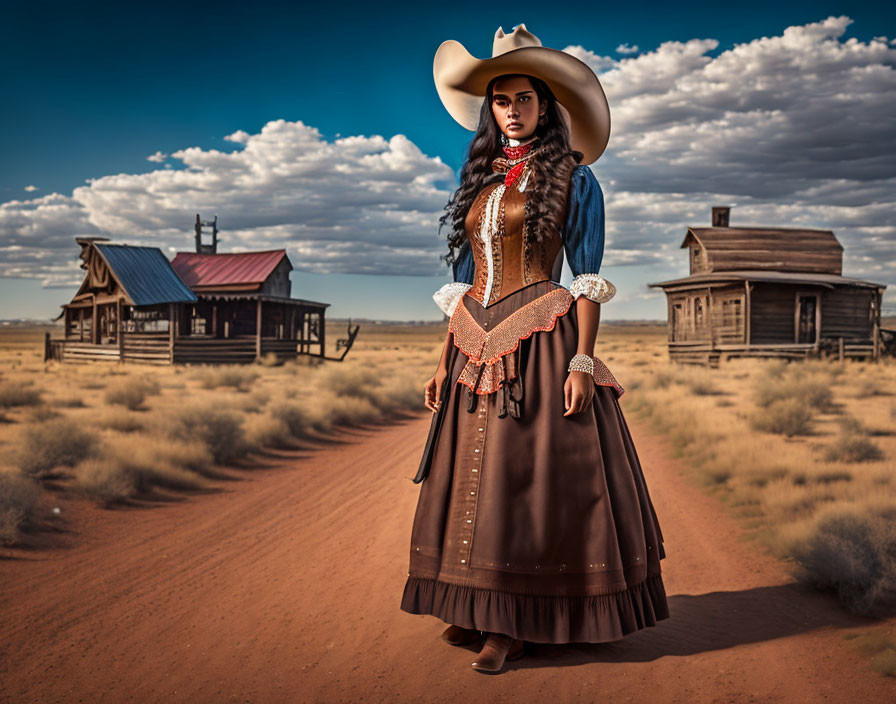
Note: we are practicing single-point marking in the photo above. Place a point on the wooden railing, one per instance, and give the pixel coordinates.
(155, 348)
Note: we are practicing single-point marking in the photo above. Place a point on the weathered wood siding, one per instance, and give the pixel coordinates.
(147, 347)
(769, 249)
(772, 311)
(847, 312)
(278, 283)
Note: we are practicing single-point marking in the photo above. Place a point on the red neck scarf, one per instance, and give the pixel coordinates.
(522, 152)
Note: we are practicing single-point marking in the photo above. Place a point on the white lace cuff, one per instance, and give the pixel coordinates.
(447, 297)
(593, 286)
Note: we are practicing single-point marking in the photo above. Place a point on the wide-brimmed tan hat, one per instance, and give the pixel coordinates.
(461, 80)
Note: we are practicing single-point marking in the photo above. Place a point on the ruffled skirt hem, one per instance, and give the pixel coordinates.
(540, 619)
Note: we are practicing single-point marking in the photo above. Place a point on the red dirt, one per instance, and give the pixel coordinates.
(284, 585)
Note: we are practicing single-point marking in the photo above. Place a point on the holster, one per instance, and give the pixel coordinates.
(437, 419)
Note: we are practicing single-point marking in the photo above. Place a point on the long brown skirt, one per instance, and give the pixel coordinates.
(538, 526)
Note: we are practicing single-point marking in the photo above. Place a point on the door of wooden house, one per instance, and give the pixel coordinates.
(806, 318)
(676, 329)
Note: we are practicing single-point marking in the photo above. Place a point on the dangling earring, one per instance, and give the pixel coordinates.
(503, 140)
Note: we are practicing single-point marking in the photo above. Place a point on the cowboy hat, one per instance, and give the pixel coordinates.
(462, 80)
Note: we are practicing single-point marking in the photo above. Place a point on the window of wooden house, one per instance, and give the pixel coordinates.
(152, 320)
(198, 325)
(732, 312)
(698, 313)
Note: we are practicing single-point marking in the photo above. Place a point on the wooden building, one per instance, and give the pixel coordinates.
(244, 309)
(204, 307)
(770, 292)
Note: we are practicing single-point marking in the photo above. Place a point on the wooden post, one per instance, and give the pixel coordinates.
(323, 330)
(215, 320)
(747, 323)
(258, 330)
(119, 332)
(172, 327)
(46, 346)
(94, 328)
(840, 349)
(669, 331)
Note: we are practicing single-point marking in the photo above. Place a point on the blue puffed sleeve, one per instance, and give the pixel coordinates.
(463, 267)
(583, 237)
(463, 264)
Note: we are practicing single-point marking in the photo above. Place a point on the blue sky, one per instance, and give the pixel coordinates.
(93, 89)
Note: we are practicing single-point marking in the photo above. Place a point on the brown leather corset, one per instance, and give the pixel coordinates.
(515, 261)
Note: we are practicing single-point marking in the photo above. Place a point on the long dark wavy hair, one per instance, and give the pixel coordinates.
(548, 184)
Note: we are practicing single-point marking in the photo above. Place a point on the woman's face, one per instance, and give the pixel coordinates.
(516, 107)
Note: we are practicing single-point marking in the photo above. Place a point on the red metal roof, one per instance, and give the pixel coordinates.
(201, 270)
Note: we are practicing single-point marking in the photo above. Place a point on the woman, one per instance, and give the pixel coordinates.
(534, 521)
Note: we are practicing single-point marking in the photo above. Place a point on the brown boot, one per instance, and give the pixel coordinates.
(457, 635)
(498, 648)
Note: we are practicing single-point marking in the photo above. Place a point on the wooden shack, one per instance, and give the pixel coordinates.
(204, 307)
(123, 306)
(769, 292)
(244, 309)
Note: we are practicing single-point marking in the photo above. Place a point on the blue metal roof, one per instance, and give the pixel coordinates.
(145, 274)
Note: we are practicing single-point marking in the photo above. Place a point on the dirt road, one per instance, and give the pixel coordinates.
(283, 585)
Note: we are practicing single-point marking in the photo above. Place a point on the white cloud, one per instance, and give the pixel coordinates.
(794, 130)
(158, 157)
(31, 189)
(353, 205)
(627, 49)
(240, 137)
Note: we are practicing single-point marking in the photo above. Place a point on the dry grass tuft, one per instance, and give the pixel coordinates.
(131, 392)
(125, 394)
(53, 443)
(853, 444)
(354, 381)
(851, 553)
(813, 390)
(14, 395)
(264, 430)
(295, 420)
(786, 416)
(120, 421)
(192, 455)
(219, 429)
(103, 479)
(129, 465)
(235, 377)
(333, 411)
(18, 503)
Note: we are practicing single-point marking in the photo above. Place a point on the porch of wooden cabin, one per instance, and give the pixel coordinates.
(714, 321)
(220, 329)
